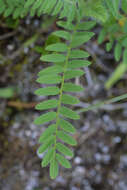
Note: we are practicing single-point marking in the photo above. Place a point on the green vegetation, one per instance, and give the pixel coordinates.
(76, 20)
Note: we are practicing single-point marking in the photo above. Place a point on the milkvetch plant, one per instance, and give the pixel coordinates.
(76, 20)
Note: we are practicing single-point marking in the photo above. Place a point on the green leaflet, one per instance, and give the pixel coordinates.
(67, 112)
(64, 150)
(47, 157)
(66, 138)
(66, 126)
(58, 47)
(19, 8)
(118, 51)
(51, 79)
(29, 3)
(47, 143)
(124, 42)
(49, 131)
(36, 4)
(54, 169)
(50, 6)
(70, 87)
(48, 104)
(68, 99)
(62, 34)
(75, 54)
(63, 161)
(102, 36)
(56, 58)
(74, 64)
(58, 7)
(125, 57)
(51, 70)
(52, 90)
(86, 25)
(73, 73)
(65, 25)
(45, 118)
(80, 39)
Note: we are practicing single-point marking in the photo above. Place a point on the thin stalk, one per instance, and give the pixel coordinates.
(102, 103)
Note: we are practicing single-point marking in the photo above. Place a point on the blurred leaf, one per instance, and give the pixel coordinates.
(7, 92)
(117, 74)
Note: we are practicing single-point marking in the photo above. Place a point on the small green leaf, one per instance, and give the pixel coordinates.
(62, 34)
(64, 25)
(63, 161)
(54, 169)
(50, 79)
(58, 7)
(49, 131)
(74, 64)
(125, 57)
(70, 87)
(75, 54)
(101, 36)
(86, 25)
(48, 104)
(68, 99)
(56, 58)
(47, 157)
(67, 112)
(51, 70)
(109, 46)
(64, 150)
(47, 117)
(73, 73)
(51, 90)
(124, 42)
(118, 51)
(66, 138)
(58, 47)
(28, 3)
(47, 144)
(66, 126)
(81, 38)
